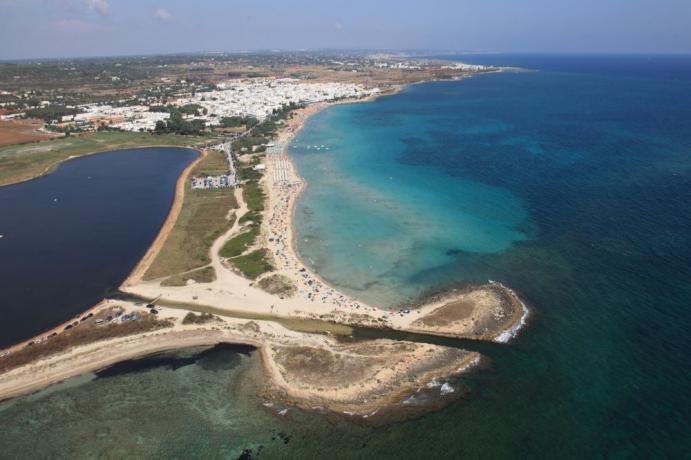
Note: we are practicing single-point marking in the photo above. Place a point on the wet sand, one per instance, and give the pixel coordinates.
(168, 225)
(369, 375)
(302, 369)
(315, 299)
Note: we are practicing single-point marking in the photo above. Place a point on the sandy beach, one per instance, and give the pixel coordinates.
(231, 291)
(307, 370)
(315, 299)
(370, 375)
(168, 225)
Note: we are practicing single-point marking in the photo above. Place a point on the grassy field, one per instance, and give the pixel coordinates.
(203, 218)
(253, 264)
(202, 275)
(254, 196)
(239, 244)
(23, 162)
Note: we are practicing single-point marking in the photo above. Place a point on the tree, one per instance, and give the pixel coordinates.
(177, 125)
(161, 127)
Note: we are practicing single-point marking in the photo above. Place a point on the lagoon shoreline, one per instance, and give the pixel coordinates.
(176, 338)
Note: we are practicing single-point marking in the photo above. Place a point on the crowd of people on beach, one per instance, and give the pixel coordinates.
(284, 193)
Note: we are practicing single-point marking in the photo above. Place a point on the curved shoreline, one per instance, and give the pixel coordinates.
(151, 252)
(519, 323)
(343, 315)
(403, 367)
(435, 302)
(145, 262)
(372, 401)
(53, 166)
(518, 319)
(100, 359)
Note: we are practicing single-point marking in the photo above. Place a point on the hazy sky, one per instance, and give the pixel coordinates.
(51, 28)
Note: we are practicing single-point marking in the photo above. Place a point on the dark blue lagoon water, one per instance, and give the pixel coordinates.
(73, 235)
(570, 183)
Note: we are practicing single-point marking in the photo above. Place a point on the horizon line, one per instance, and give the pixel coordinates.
(419, 53)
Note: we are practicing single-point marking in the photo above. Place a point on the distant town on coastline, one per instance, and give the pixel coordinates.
(194, 93)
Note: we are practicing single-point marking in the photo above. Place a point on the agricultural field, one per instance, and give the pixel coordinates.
(22, 131)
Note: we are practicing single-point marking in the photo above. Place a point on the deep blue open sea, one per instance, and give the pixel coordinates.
(570, 182)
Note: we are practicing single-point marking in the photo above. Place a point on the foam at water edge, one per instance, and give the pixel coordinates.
(446, 389)
(433, 383)
(474, 362)
(509, 334)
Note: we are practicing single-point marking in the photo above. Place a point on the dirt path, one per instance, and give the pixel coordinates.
(216, 263)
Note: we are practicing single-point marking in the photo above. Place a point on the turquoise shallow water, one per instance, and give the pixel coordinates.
(171, 406)
(382, 229)
(570, 184)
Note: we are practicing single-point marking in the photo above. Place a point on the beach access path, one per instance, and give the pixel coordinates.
(315, 298)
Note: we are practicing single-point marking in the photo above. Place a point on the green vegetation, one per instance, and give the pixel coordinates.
(262, 132)
(284, 112)
(254, 217)
(239, 244)
(278, 285)
(253, 264)
(177, 125)
(235, 122)
(189, 109)
(203, 218)
(159, 108)
(248, 173)
(268, 129)
(26, 161)
(203, 275)
(51, 112)
(254, 196)
(249, 143)
(202, 318)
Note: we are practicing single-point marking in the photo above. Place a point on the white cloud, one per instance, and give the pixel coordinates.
(163, 14)
(338, 26)
(100, 6)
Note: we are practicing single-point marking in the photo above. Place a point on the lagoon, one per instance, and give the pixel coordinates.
(72, 236)
(570, 184)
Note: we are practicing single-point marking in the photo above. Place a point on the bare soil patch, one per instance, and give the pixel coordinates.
(22, 131)
(81, 333)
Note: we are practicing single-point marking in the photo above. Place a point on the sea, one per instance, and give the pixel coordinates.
(567, 178)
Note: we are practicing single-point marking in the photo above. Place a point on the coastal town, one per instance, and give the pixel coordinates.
(244, 266)
(345, 230)
(257, 99)
(198, 91)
